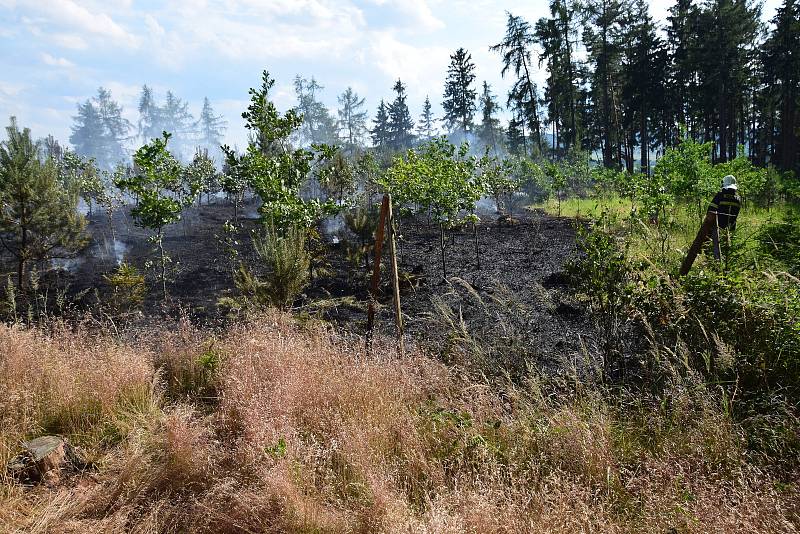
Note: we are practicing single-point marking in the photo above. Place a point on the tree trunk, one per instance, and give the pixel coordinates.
(22, 258)
(477, 248)
(163, 263)
(535, 108)
(645, 143)
(441, 246)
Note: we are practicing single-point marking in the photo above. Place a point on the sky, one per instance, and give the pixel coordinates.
(56, 53)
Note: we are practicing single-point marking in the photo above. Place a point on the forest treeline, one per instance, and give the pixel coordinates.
(618, 84)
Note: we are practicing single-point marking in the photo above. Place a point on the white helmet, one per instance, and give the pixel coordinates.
(729, 182)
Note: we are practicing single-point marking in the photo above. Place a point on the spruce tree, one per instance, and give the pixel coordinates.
(727, 53)
(88, 132)
(400, 125)
(426, 125)
(319, 126)
(644, 73)
(603, 40)
(683, 70)
(179, 122)
(352, 120)
(211, 128)
(100, 130)
(39, 219)
(150, 123)
(459, 94)
(515, 136)
(489, 130)
(380, 128)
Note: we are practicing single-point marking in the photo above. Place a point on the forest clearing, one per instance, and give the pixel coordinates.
(575, 312)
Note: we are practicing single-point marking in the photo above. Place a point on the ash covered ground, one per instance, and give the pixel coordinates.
(518, 300)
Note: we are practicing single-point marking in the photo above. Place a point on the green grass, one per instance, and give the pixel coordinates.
(667, 245)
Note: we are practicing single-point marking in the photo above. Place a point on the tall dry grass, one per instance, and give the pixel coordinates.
(307, 434)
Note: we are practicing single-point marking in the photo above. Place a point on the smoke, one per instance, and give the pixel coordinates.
(486, 206)
(107, 251)
(334, 226)
(83, 207)
(110, 249)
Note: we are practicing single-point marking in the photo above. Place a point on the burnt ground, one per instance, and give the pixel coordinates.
(517, 303)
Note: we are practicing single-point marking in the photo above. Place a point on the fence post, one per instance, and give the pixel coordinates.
(376, 271)
(398, 312)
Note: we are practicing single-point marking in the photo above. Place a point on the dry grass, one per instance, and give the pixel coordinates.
(309, 435)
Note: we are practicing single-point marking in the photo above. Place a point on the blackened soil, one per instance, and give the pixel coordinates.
(518, 295)
(512, 296)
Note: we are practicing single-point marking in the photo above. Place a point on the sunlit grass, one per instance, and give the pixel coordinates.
(666, 246)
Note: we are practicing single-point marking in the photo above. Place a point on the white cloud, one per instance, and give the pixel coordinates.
(417, 66)
(72, 41)
(76, 20)
(10, 89)
(56, 61)
(416, 14)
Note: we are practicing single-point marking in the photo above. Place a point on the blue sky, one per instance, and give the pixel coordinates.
(56, 53)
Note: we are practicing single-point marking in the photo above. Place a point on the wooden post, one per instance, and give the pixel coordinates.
(709, 224)
(376, 270)
(398, 312)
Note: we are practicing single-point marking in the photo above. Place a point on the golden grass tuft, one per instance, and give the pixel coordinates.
(308, 434)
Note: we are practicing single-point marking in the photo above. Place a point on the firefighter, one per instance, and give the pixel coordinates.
(726, 204)
(721, 213)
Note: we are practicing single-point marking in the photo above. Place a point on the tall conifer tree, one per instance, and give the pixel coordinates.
(459, 93)
(401, 126)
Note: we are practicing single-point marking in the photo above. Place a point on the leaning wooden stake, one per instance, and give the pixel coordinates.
(706, 230)
(398, 312)
(376, 270)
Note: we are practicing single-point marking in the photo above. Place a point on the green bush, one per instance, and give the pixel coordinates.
(781, 241)
(604, 276)
(286, 264)
(128, 288)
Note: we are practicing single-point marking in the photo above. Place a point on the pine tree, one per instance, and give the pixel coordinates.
(425, 126)
(557, 36)
(781, 67)
(489, 131)
(400, 125)
(516, 50)
(380, 129)
(352, 120)
(459, 95)
(644, 74)
(211, 128)
(39, 219)
(603, 40)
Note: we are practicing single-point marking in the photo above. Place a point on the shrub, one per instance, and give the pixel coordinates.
(128, 288)
(286, 264)
(603, 274)
(781, 241)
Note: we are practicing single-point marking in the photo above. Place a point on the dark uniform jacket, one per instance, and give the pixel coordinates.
(726, 204)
